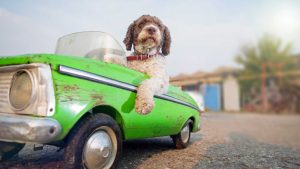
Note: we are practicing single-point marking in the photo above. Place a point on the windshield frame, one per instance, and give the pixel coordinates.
(89, 44)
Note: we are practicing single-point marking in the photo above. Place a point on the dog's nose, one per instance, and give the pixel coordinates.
(151, 30)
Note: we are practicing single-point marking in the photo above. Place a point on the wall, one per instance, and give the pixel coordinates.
(231, 94)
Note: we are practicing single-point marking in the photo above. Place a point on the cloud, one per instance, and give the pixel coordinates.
(21, 35)
(205, 34)
(205, 47)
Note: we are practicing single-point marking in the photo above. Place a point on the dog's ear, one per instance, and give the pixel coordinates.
(129, 36)
(166, 42)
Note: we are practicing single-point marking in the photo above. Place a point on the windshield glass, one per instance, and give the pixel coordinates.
(89, 44)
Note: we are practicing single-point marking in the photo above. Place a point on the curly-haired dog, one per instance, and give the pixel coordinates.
(148, 35)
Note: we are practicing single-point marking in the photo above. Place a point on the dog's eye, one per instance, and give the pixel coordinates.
(160, 27)
(141, 25)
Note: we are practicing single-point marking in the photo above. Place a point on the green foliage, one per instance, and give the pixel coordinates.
(269, 52)
(271, 57)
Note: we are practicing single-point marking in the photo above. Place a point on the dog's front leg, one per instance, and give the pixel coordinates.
(144, 102)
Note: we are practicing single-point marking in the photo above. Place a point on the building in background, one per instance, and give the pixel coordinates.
(228, 89)
(219, 89)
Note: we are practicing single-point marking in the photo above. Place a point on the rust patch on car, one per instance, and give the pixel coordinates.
(98, 98)
(70, 87)
(66, 99)
(68, 93)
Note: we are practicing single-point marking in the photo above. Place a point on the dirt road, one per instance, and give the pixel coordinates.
(225, 141)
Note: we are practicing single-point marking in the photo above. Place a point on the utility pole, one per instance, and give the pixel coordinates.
(264, 99)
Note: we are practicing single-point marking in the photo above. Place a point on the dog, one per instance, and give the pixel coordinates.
(148, 35)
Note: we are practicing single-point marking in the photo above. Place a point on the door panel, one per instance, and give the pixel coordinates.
(212, 97)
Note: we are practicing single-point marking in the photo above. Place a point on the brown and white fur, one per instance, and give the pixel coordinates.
(148, 36)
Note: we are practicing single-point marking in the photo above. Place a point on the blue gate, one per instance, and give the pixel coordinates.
(212, 97)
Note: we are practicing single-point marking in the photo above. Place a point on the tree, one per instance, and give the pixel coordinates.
(265, 66)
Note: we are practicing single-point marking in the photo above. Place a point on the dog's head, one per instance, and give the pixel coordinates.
(148, 33)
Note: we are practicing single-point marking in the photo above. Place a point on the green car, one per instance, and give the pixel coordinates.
(72, 99)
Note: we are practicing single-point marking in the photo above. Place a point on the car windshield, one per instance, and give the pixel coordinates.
(92, 45)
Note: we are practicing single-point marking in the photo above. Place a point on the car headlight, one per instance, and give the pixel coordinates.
(27, 89)
(21, 90)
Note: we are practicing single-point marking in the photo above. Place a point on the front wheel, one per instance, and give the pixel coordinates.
(95, 142)
(182, 139)
(8, 149)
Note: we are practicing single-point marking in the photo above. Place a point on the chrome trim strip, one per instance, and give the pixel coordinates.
(111, 82)
(175, 100)
(22, 129)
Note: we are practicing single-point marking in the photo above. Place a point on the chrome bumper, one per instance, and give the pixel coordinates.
(22, 129)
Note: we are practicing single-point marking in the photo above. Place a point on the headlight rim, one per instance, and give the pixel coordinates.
(33, 91)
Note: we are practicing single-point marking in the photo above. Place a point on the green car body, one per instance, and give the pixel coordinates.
(74, 100)
(77, 95)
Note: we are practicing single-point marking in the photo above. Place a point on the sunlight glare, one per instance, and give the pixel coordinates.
(286, 22)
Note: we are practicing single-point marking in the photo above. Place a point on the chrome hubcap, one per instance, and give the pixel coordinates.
(100, 149)
(185, 133)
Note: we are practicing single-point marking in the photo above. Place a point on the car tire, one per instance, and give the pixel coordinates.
(182, 139)
(9, 149)
(95, 142)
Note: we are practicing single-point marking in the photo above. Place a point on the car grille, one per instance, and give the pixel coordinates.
(5, 80)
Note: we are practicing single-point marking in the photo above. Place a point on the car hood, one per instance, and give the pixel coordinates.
(93, 66)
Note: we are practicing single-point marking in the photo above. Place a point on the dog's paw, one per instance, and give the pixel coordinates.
(144, 106)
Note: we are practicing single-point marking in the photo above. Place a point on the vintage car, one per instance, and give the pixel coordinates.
(73, 100)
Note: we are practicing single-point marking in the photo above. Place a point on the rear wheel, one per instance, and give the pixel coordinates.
(96, 142)
(182, 139)
(8, 149)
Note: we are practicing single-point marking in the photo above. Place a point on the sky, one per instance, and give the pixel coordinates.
(206, 34)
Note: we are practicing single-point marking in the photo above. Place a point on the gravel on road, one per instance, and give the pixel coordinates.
(225, 141)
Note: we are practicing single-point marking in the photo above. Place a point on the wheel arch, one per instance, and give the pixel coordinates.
(104, 109)
(110, 111)
(194, 126)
